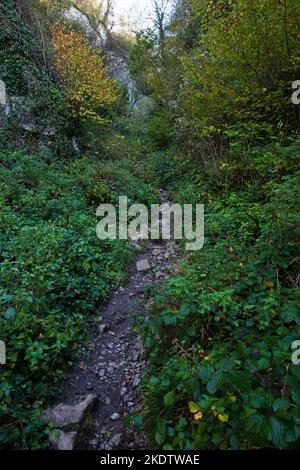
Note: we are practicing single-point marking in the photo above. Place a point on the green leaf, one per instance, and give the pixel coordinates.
(10, 313)
(261, 426)
(182, 422)
(263, 363)
(159, 438)
(216, 382)
(193, 407)
(127, 420)
(234, 442)
(137, 421)
(5, 298)
(240, 379)
(292, 432)
(169, 399)
(278, 433)
(161, 426)
(280, 403)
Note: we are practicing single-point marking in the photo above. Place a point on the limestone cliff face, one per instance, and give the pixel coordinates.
(137, 102)
(117, 63)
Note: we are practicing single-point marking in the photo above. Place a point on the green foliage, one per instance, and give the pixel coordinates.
(141, 61)
(219, 337)
(122, 181)
(54, 273)
(160, 127)
(15, 45)
(243, 65)
(219, 67)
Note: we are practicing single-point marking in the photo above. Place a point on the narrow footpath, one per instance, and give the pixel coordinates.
(102, 390)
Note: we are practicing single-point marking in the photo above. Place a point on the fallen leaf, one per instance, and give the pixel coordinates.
(194, 408)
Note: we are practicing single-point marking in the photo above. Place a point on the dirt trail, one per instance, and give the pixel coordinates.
(111, 367)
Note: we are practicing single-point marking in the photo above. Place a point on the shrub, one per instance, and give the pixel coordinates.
(87, 88)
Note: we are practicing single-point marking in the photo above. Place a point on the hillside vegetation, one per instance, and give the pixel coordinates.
(54, 271)
(224, 132)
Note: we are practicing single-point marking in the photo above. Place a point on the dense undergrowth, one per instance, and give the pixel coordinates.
(54, 272)
(220, 333)
(219, 336)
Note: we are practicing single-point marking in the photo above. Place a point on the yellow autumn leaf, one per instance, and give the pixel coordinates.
(269, 284)
(194, 408)
(223, 418)
(198, 415)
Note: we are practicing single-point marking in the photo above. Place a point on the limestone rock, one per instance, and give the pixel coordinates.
(103, 328)
(61, 440)
(49, 132)
(143, 265)
(115, 416)
(69, 416)
(115, 441)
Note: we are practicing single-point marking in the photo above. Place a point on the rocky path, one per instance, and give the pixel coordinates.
(103, 385)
